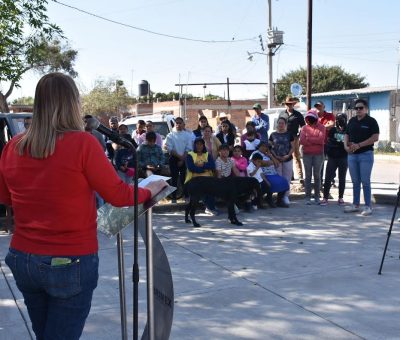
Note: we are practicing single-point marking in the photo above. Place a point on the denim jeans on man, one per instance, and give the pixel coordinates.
(58, 298)
(360, 167)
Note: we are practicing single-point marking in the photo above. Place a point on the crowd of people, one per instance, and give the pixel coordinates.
(301, 144)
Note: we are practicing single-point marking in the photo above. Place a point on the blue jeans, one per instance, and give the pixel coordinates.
(58, 298)
(360, 167)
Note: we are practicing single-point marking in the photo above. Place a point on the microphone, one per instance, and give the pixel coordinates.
(94, 124)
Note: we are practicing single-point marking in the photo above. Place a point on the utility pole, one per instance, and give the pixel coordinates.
(309, 54)
(275, 41)
(397, 81)
(269, 58)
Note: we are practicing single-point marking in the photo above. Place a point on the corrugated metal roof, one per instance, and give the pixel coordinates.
(355, 91)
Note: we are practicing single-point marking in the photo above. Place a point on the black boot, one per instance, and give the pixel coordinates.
(269, 200)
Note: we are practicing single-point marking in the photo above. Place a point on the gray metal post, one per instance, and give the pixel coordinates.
(309, 53)
(150, 275)
(269, 59)
(121, 281)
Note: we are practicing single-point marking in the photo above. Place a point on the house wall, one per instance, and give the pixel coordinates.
(239, 112)
(379, 108)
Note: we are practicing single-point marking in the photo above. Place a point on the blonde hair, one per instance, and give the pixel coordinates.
(56, 110)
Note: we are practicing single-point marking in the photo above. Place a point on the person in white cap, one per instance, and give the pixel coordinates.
(222, 117)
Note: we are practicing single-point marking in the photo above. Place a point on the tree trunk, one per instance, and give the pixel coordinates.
(3, 103)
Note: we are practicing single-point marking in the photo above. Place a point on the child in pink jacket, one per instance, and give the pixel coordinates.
(312, 137)
(240, 161)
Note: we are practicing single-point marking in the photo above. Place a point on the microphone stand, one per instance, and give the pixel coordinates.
(390, 230)
(116, 138)
(135, 268)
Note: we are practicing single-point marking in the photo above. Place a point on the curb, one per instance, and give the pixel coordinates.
(384, 199)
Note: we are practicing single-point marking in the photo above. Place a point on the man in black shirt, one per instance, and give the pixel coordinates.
(295, 121)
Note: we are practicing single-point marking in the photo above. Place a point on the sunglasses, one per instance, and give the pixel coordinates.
(359, 108)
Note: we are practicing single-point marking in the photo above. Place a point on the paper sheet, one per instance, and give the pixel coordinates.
(152, 178)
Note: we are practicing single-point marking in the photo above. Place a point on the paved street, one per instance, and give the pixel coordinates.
(307, 272)
(299, 273)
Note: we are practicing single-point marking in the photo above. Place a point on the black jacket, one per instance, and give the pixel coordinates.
(230, 139)
(294, 121)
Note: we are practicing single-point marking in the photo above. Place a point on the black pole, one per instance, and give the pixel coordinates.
(229, 97)
(390, 230)
(309, 54)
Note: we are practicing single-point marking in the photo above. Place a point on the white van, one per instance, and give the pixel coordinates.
(163, 122)
(274, 114)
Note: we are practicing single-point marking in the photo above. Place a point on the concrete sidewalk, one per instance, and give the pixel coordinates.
(307, 272)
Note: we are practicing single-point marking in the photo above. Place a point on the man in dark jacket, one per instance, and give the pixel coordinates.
(295, 121)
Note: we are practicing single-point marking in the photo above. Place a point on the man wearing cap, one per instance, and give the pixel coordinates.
(295, 121)
(328, 120)
(261, 120)
(113, 123)
(325, 118)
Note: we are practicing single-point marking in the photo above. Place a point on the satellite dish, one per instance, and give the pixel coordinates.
(296, 89)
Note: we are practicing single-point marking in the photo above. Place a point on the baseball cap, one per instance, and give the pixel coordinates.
(312, 113)
(257, 106)
(318, 103)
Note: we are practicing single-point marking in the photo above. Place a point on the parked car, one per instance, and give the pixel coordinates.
(163, 122)
(11, 124)
(274, 114)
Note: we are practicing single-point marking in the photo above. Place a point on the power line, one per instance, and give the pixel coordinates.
(149, 31)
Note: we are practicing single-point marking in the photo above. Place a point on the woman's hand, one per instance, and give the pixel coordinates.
(156, 186)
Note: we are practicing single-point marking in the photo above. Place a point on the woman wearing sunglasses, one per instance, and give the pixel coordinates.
(361, 134)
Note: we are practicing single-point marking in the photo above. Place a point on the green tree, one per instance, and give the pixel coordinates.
(28, 41)
(213, 97)
(23, 101)
(165, 97)
(325, 78)
(107, 97)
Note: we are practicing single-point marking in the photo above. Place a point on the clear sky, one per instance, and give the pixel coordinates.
(361, 36)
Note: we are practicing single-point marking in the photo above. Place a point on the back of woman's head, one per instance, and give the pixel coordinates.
(341, 121)
(56, 109)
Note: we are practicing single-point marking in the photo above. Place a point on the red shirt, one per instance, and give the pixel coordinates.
(54, 198)
(324, 118)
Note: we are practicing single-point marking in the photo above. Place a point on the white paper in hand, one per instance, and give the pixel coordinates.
(152, 178)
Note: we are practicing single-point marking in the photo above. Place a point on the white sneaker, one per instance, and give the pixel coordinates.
(351, 208)
(254, 207)
(285, 200)
(308, 201)
(366, 211)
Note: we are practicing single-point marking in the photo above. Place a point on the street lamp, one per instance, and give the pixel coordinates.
(275, 41)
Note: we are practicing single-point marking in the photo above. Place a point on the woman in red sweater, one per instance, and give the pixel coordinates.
(49, 175)
(312, 137)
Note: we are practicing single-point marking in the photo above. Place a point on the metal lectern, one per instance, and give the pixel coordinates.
(160, 292)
